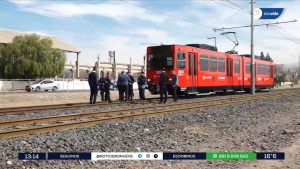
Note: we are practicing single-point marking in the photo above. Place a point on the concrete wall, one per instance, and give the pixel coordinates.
(6, 85)
(64, 85)
(73, 85)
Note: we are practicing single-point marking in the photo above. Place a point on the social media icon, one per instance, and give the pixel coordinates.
(155, 155)
(140, 155)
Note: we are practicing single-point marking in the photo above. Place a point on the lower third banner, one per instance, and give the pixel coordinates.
(127, 156)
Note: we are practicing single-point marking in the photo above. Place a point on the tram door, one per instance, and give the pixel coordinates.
(193, 79)
(229, 70)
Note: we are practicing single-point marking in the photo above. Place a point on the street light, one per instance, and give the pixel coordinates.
(215, 38)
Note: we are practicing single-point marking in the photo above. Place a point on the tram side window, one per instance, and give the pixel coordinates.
(248, 70)
(204, 62)
(180, 60)
(263, 69)
(237, 66)
(268, 70)
(212, 64)
(221, 64)
(259, 69)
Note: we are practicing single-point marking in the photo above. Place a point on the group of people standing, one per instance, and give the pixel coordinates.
(124, 83)
(103, 84)
(125, 86)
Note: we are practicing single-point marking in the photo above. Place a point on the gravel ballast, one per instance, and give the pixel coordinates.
(105, 108)
(265, 125)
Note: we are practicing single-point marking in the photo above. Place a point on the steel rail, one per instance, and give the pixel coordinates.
(12, 110)
(92, 114)
(98, 119)
(22, 109)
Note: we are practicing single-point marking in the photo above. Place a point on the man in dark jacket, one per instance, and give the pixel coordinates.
(93, 82)
(122, 83)
(101, 85)
(174, 85)
(130, 86)
(142, 84)
(107, 83)
(163, 81)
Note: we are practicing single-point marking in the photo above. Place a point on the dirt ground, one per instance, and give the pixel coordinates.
(268, 125)
(292, 159)
(16, 99)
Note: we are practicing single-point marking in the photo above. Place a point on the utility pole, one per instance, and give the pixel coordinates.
(252, 50)
(130, 66)
(252, 41)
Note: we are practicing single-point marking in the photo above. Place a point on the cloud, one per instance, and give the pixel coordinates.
(39, 33)
(152, 35)
(19, 2)
(125, 48)
(186, 28)
(276, 41)
(115, 10)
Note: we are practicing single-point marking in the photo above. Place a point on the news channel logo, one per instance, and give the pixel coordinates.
(267, 13)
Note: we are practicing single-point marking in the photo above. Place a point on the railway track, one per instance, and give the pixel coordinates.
(16, 110)
(47, 124)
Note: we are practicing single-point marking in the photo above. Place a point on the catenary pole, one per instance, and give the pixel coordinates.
(252, 50)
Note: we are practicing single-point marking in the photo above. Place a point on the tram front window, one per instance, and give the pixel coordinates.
(158, 61)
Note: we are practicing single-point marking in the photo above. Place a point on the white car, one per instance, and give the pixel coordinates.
(42, 85)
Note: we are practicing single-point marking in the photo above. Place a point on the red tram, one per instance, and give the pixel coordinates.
(201, 68)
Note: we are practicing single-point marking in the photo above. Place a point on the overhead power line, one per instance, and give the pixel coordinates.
(286, 37)
(229, 5)
(233, 3)
(226, 3)
(166, 14)
(280, 29)
(264, 24)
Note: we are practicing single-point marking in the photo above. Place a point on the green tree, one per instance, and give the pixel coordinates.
(262, 56)
(282, 77)
(29, 57)
(268, 58)
(279, 78)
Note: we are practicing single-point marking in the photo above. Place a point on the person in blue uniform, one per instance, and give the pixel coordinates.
(107, 83)
(130, 86)
(163, 82)
(174, 85)
(101, 86)
(93, 83)
(142, 85)
(122, 83)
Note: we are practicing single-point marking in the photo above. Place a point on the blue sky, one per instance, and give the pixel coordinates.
(128, 27)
